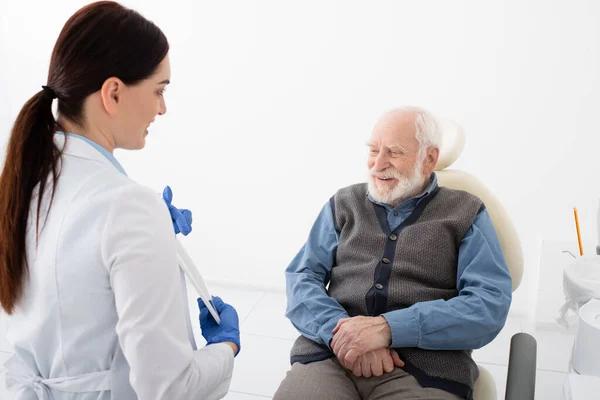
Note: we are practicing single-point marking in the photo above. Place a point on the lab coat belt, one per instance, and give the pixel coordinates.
(19, 376)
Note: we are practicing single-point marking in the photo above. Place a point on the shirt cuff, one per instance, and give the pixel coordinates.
(405, 328)
(325, 331)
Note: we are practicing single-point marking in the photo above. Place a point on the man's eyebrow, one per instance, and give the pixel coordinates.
(397, 147)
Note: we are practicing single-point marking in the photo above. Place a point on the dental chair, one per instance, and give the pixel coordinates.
(522, 361)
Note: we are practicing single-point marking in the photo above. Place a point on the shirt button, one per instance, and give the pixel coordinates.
(395, 213)
(378, 286)
(393, 237)
(386, 261)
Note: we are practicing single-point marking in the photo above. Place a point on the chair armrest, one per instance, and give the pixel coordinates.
(520, 383)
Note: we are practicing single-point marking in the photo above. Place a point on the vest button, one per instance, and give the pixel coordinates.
(378, 286)
(393, 237)
(386, 261)
(395, 213)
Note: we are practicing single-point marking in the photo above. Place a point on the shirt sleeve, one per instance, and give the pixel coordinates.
(139, 250)
(474, 317)
(310, 309)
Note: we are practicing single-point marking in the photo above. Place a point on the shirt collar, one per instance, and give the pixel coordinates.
(105, 153)
(433, 181)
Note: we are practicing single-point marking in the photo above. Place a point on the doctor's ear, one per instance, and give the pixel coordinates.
(111, 93)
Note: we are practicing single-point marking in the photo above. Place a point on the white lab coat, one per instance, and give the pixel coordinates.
(103, 313)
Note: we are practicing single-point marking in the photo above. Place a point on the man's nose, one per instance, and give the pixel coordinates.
(381, 162)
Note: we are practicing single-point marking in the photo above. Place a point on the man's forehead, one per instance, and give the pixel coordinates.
(389, 144)
(393, 137)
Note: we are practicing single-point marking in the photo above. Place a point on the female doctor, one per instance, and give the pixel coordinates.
(89, 280)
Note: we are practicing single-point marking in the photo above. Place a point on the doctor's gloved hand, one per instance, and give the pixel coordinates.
(182, 218)
(228, 331)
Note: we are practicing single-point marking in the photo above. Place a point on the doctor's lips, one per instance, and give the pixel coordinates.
(148, 127)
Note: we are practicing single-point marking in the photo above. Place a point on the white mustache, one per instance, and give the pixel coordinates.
(386, 174)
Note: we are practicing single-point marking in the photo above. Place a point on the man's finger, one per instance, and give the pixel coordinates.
(397, 361)
(356, 369)
(335, 344)
(340, 352)
(339, 343)
(388, 363)
(350, 357)
(342, 356)
(377, 366)
(339, 325)
(366, 366)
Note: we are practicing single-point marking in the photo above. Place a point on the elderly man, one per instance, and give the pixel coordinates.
(399, 280)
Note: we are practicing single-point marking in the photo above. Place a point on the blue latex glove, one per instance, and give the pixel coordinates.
(182, 218)
(228, 331)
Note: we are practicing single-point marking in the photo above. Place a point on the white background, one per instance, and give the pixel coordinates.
(271, 103)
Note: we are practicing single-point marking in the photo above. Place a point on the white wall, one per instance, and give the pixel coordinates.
(271, 103)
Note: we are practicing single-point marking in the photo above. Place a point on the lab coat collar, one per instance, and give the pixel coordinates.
(77, 146)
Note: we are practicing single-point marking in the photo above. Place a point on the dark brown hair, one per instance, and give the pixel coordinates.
(101, 40)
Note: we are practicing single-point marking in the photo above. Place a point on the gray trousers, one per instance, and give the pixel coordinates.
(328, 380)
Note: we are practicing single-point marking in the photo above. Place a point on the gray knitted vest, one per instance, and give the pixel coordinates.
(377, 271)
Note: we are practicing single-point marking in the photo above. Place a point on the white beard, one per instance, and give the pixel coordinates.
(407, 186)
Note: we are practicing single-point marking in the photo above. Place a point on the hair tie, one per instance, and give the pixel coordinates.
(49, 93)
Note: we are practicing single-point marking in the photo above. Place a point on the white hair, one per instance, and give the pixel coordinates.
(427, 128)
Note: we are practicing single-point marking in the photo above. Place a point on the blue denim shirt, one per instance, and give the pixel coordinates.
(468, 321)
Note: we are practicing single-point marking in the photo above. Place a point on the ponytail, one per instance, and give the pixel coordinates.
(31, 157)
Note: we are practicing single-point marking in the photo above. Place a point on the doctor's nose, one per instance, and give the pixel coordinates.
(163, 107)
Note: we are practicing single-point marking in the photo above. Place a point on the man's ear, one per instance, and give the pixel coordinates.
(111, 92)
(431, 159)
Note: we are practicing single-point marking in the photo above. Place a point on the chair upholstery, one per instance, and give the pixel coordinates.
(485, 386)
(507, 234)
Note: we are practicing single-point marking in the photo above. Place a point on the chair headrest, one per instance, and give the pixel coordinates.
(453, 143)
